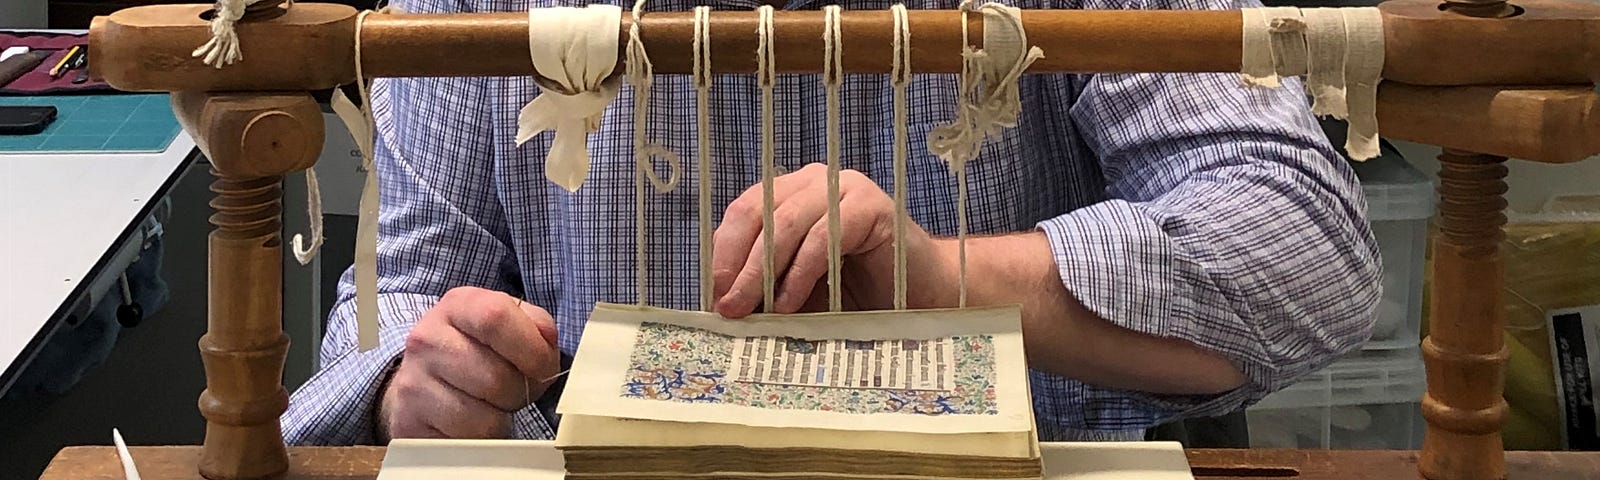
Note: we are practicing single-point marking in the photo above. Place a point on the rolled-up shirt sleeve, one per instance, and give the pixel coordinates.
(1231, 223)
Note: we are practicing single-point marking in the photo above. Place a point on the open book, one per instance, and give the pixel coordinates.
(657, 393)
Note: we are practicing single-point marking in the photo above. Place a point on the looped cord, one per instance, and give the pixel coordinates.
(305, 253)
(766, 77)
(989, 100)
(223, 47)
(574, 51)
(832, 79)
(702, 85)
(900, 78)
(640, 74)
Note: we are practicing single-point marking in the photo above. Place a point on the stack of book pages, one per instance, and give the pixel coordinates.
(656, 394)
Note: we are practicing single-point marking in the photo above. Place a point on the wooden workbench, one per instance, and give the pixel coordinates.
(351, 463)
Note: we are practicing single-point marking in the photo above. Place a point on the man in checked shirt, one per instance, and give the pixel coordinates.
(1182, 245)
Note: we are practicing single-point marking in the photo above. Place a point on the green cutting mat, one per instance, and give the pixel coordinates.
(98, 124)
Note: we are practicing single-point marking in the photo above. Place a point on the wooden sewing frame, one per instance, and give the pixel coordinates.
(1533, 99)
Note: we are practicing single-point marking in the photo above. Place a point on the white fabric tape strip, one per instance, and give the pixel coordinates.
(1273, 45)
(574, 51)
(1325, 46)
(1288, 40)
(702, 85)
(1255, 57)
(1363, 70)
(360, 123)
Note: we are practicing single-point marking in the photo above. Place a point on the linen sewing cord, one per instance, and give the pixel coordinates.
(304, 253)
(987, 102)
(766, 77)
(361, 125)
(900, 78)
(832, 78)
(702, 86)
(640, 72)
(574, 51)
(223, 47)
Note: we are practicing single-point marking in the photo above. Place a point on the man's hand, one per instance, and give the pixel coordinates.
(471, 361)
(800, 246)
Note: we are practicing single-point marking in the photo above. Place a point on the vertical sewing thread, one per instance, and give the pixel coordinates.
(702, 85)
(641, 74)
(900, 78)
(767, 77)
(832, 77)
(641, 99)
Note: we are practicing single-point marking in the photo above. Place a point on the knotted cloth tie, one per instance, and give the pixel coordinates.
(574, 51)
(989, 99)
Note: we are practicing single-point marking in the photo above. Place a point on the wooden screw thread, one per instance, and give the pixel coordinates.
(244, 347)
(1465, 352)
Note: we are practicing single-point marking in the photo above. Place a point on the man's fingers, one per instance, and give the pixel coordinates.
(459, 415)
(792, 222)
(541, 320)
(424, 407)
(740, 230)
(471, 367)
(810, 264)
(499, 321)
(866, 221)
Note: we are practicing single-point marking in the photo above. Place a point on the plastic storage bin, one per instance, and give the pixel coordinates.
(1370, 400)
(1399, 205)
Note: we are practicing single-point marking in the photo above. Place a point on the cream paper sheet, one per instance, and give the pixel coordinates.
(603, 362)
(587, 431)
(539, 460)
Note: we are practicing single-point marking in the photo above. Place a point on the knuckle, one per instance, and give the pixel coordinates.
(786, 216)
(457, 294)
(419, 340)
(742, 207)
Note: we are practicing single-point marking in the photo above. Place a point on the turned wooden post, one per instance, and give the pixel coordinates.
(253, 140)
(1465, 352)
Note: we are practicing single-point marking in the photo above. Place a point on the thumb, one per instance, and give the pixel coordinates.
(542, 320)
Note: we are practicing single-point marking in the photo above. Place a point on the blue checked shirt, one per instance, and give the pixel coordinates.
(1177, 205)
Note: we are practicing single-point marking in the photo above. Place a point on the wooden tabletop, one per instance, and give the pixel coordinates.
(351, 463)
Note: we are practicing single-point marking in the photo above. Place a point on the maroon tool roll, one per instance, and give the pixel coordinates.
(38, 81)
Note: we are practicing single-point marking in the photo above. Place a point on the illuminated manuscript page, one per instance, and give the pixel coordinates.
(919, 371)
